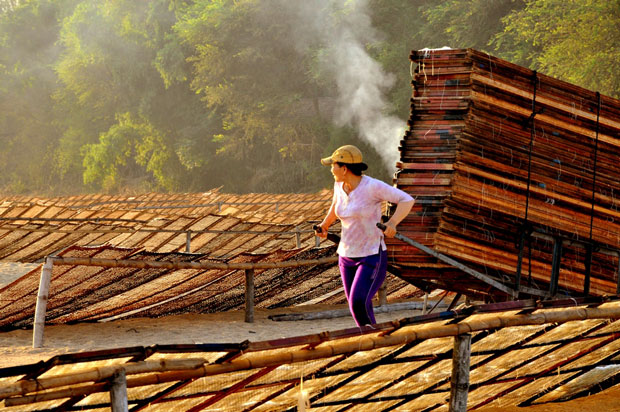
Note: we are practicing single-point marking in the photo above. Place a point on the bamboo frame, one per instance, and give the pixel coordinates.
(248, 267)
(364, 343)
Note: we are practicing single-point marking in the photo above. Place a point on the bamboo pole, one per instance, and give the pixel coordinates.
(97, 374)
(338, 313)
(146, 230)
(347, 346)
(144, 264)
(41, 307)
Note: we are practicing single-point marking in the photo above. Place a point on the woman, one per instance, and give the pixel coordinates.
(362, 256)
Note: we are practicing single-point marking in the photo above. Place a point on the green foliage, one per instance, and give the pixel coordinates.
(28, 132)
(194, 94)
(123, 152)
(465, 23)
(575, 40)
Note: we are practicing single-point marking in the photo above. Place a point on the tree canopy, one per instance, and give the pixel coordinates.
(187, 95)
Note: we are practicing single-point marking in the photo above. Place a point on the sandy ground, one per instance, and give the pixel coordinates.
(228, 327)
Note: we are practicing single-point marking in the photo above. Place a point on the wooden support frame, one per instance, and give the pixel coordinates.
(552, 318)
(382, 294)
(46, 273)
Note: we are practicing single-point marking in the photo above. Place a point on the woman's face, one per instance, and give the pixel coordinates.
(338, 172)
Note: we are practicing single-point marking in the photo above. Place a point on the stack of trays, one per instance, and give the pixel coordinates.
(496, 153)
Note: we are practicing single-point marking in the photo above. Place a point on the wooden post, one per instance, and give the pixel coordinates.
(383, 294)
(555, 266)
(425, 307)
(297, 237)
(588, 269)
(249, 295)
(42, 296)
(459, 383)
(118, 392)
(618, 276)
(188, 242)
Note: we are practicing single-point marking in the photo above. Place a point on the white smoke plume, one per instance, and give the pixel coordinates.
(362, 85)
(344, 28)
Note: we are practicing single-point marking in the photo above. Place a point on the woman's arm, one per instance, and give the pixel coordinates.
(402, 210)
(328, 220)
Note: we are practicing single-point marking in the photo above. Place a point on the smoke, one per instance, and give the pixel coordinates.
(343, 29)
(362, 85)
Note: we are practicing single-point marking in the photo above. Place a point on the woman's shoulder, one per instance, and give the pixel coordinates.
(371, 181)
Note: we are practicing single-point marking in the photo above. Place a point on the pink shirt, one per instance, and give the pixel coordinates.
(359, 213)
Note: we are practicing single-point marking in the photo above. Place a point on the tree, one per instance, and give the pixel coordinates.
(28, 133)
(574, 40)
(123, 72)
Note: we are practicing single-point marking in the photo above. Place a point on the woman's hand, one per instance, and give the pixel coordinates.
(321, 230)
(402, 210)
(390, 229)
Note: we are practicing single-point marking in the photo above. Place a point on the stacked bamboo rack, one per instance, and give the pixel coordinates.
(515, 174)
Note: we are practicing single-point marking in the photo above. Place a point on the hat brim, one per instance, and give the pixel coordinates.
(327, 161)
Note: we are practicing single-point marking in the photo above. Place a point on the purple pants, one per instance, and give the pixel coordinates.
(362, 278)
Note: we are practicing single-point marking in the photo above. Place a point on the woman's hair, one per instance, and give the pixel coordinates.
(355, 168)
